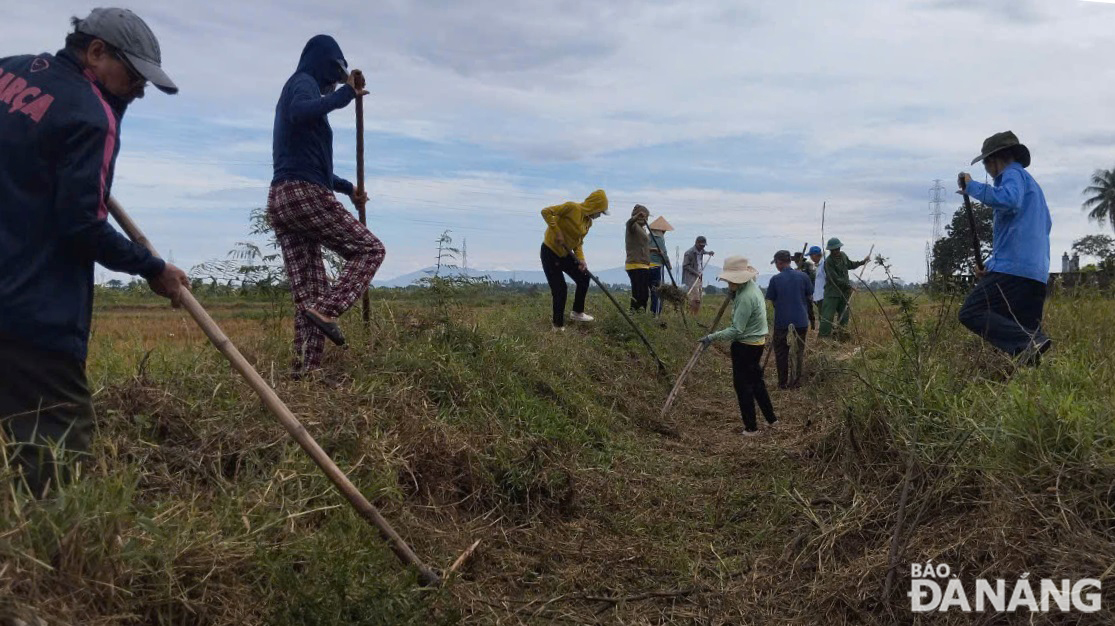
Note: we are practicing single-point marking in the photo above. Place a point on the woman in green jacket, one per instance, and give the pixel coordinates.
(748, 334)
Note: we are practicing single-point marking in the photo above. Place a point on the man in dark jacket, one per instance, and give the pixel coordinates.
(692, 273)
(302, 208)
(792, 295)
(59, 137)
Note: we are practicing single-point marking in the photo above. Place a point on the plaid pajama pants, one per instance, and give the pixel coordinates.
(305, 217)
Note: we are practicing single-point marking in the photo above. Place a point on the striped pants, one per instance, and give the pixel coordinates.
(306, 217)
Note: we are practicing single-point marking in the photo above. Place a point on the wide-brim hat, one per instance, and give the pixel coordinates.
(833, 244)
(1004, 141)
(737, 269)
(661, 224)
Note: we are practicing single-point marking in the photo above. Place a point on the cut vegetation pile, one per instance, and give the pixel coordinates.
(466, 419)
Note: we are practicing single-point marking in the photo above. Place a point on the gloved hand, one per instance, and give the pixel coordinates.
(705, 341)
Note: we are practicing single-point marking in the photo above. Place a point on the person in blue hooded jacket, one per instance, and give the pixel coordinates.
(303, 209)
(1006, 306)
(60, 121)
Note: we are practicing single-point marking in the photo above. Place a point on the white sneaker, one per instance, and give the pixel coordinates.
(581, 317)
(559, 329)
(750, 433)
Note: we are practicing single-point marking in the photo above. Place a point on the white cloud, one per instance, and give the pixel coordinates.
(879, 98)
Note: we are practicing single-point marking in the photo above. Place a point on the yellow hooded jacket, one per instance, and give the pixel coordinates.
(572, 220)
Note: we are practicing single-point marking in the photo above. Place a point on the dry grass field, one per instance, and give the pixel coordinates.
(464, 418)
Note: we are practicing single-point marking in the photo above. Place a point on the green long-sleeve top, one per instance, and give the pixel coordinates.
(749, 317)
(836, 274)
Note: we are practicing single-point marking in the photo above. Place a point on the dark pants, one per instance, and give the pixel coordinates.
(782, 349)
(834, 317)
(554, 267)
(640, 288)
(813, 314)
(46, 412)
(655, 281)
(1006, 310)
(747, 377)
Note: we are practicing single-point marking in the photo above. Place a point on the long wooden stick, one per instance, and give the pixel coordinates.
(692, 361)
(972, 226)
(670, 271)
(272, 401)
(361, 207)
(824, 244)
(864, 266)
(639, 331)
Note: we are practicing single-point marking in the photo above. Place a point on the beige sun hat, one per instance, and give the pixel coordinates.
(737, 269)
(661, 224)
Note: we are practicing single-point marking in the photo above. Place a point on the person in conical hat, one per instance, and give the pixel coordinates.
(748, 334)
(659, 261)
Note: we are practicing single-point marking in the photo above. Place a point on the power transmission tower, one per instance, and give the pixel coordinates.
(464, 255)
(936, 202)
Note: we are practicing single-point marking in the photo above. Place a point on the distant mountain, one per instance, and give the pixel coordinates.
(611, 276)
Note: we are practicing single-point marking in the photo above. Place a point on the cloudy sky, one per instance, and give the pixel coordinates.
(733, 119)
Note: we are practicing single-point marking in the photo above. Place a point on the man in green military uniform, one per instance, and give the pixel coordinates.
(838, 290)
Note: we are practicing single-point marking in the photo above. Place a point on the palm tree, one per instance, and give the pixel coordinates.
(1101, 196)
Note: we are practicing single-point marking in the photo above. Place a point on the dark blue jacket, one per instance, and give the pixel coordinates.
(302, 148)
(792, 295)
(59, 136)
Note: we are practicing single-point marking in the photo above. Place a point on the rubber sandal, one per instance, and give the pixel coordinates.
(331, 330)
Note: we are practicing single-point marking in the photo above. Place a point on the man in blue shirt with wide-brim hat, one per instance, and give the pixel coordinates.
(1006, 307)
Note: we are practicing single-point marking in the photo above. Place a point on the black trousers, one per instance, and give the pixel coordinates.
(46, 413)
(640, 288)
(747, 377)
(782, 350)
(655, 281)
(1006, 310)
(555, 268)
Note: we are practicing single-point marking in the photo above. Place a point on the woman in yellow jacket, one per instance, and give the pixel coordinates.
(562, 252)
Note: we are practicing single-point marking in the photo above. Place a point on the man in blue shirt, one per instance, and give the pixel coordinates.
(1005, 308)
(792, 295)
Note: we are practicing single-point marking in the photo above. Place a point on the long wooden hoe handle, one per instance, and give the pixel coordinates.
(638, 331)
(692, 361)
(272, 401)
(864, 267)
(361, 207)
(972, 226)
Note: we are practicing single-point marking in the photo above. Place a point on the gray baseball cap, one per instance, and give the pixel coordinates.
(126, 32)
